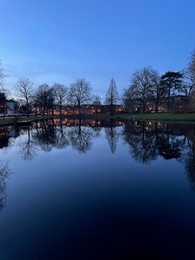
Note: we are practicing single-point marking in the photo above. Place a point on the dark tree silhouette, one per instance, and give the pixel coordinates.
(28, 146)
(24, 87)
(44, 98)
(112, 96)
(112, 135)
(80, 138)
(171, 81)
(157, 91)
(188, 155)
(143, 87)
(142, 142)
(60, 94)
(45, 136)
(2, 77)
(79, 93)
(4, 173)
(191, 69)
(61, 137)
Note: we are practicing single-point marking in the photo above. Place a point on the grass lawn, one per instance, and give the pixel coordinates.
(163, 117)
(10, 120)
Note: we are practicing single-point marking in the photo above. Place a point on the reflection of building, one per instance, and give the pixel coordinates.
(3, 137)
(6, 133)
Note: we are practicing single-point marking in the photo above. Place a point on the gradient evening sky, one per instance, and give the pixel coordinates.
(62, 40)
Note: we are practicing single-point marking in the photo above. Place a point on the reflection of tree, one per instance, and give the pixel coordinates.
(97, 130)
(61, 138)
(188, 156)
(142, 141)
(112, 135)
(28, 147)
(45, 136)
(80, 138)
(169, 141)
(169, 144)
(48, 136)
(4, 172)
(169, 147)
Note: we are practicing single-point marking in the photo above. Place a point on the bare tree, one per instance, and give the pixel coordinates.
(2, 88)
(2, 76)
(42, 98)
(141, 84)
(60, 94)
(188, 85)
(25, 88)
(79, 93)
(156, 91)
(96, 100)
(129, 99)
(191, 68)
(112, 96)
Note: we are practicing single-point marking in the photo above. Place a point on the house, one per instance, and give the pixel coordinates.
(12, 106)
(3, 105)
(8, 107)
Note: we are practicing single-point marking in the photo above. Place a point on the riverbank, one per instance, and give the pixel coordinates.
(163, 117)
(157, 117)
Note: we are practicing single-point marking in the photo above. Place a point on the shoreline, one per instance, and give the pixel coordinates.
(156, 117)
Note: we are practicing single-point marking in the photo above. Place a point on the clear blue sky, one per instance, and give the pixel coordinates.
(62, 40)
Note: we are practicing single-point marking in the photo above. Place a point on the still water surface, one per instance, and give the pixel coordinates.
(97, 190)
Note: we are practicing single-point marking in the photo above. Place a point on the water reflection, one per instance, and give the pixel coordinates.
(147, 141)
(81, 138)
(112, 135)
(131, 199)
(4, 172)
(142, 140)
(7, 135)
(28, 145)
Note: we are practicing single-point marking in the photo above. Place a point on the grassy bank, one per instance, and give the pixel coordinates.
(12, 120)
(162, 117)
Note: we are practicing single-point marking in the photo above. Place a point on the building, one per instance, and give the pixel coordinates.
(3, 106)
(12, 106)
(7, 107)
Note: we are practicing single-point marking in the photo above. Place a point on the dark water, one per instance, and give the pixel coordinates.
(98, 190)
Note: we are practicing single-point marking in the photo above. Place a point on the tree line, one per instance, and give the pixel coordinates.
(45, 98)
(146, 85)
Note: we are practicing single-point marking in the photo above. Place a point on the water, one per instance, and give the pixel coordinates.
(98, 190)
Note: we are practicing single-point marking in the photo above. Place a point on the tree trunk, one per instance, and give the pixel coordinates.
(111, 109)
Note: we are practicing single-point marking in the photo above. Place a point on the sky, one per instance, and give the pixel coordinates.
(64, 40)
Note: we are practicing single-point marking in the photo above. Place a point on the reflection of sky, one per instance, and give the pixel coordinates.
(97, 40)
(69, 163)
(63, 197)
